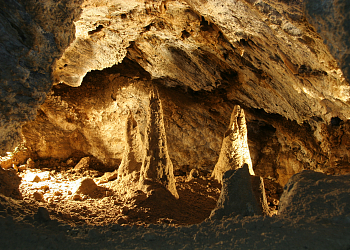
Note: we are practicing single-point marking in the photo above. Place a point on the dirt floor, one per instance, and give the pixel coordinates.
(113, 202)
(56, 209)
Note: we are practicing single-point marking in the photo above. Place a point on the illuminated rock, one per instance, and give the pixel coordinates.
(132, 157)
(234, 150)
(157, 167)
(85, 186)
(264, 55)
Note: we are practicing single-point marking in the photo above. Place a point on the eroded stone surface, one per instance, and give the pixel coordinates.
(331, 20)
(237, 196)
(263, 55)
(234, 150)
(133, 151)
(313, 194)
(156, 165)
(33, 34)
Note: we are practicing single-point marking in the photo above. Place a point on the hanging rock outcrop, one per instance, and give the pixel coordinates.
(156, 166)
(331, 20)
(234, 150)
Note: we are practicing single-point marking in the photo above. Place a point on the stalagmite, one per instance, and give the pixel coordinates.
(132, 157)
(234, 150)
(238, 196)
(157, 167)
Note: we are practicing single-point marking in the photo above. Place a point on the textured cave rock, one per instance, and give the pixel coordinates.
(331, 19)
(133, 151)
(266, 52)
(33, 34)
(267, 56)
(234, 150)
(237, 196)
(313, 194)
(91, 119)
(156, 165)
(9, 183)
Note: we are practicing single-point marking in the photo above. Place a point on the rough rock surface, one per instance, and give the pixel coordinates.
(33, 34)
(133, 151)
(234, 150)
(90, 119)
(85, 186)
(237, 196)
(9, 183)
(331, 20)
(263, 55)
(313, 194)
(260, 193)
(156, 165)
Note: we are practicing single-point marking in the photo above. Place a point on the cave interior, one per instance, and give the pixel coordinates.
(137, 103)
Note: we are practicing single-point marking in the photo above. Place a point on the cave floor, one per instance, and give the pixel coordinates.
(116, 215)
(118, 202)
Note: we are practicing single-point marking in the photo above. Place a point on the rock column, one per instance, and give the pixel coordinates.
(234, 150)
(157, 167)
(132, 157)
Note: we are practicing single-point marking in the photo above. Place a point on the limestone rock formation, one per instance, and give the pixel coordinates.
(156, 165)
(234, 150)
(331, 20)
(133, 151)
(237, 196)
(33, 34)
(259, 193)
(277, 59)
(313, 194)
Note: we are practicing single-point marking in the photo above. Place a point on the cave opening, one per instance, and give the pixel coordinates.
(62, 171)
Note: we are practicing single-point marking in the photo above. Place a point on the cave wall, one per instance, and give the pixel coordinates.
(331, 20)
(32, 35)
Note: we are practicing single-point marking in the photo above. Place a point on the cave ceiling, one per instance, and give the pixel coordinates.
(265, 54)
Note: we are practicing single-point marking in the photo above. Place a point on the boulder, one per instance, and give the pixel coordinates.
(314, 194)
(85, 186)
(9, 183)
(83, 164)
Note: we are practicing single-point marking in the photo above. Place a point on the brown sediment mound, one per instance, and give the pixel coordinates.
(234, 150)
